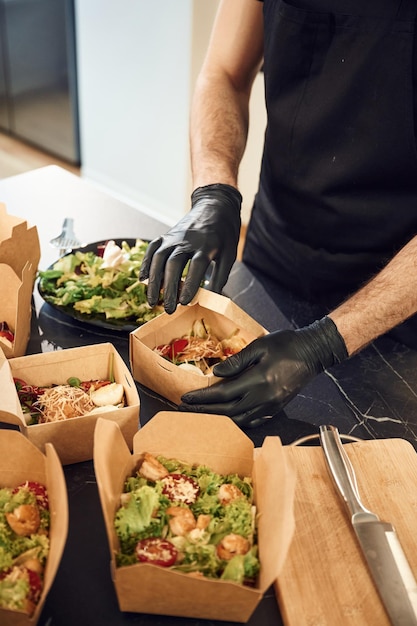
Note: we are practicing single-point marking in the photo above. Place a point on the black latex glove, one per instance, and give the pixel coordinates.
(208, 232)
(263, 377)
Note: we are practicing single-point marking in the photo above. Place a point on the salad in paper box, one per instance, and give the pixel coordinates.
(173, 354)
(195, 511)
(58, 396)
(33, 527)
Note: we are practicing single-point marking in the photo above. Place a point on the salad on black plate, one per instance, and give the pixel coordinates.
(100, 284)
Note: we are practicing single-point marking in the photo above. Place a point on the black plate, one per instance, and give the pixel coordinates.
(100, 321)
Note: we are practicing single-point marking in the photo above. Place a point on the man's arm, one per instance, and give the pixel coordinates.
(262, 378)
(210, 231)
(220, 108)
(383, 303)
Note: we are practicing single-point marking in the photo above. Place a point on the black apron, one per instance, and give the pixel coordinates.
(337, 196)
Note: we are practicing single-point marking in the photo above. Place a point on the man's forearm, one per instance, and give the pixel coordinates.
(220, 108)
(383, 303)
(218, 132)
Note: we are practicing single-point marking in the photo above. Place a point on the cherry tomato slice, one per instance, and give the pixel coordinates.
(156, 551)
(35, 584)
(7, 334)
(180, 488)
(178, 346)
(173, 349)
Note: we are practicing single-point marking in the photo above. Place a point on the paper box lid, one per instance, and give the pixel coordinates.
(165, 378)
(73, 438)
(16, 306)
(218, 442)
(19, 259)
(16, 236)
(20, 461)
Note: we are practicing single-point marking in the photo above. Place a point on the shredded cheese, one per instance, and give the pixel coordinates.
(63, 402)
(201, 348)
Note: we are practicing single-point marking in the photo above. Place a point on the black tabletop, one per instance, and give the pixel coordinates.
(372, 395)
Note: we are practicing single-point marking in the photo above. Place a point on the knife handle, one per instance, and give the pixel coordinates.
(341, 469)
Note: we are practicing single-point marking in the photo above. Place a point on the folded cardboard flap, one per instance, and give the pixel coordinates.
(21, 461)
(58, 504)
(16, 236)
(10, 283)
(274, 470)
(224, 306)
(10, 409)
(16, 307)
(216, 441)
(86, 363)
(19, 259)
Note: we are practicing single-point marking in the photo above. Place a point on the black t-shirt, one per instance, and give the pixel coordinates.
(338, 186)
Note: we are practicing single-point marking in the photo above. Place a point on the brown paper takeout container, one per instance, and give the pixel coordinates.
(73, 438)
(216, 441)
(165, 378)
(20, 461)
(19, 259)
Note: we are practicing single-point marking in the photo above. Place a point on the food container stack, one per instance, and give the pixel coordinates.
(19, 258)
(71, 435)
(216, 316)
(34, 527)
(213, 441)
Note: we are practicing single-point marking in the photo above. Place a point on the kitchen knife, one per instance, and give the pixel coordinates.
(380, 545)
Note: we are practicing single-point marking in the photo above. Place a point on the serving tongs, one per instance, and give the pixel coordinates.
(67, 240)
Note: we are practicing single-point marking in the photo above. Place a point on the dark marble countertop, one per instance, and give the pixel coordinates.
(372, 395)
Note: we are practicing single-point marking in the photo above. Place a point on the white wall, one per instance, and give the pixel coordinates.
(137, 63)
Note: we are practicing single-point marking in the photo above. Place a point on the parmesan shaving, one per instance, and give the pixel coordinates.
(63, 402)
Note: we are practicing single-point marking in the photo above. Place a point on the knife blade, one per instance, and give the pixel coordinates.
(379, 541)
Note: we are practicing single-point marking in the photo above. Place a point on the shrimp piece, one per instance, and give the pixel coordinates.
(228, 493)
(231, 545)
(203, 521)
(152, 469)
(24, 520)
(182, 520)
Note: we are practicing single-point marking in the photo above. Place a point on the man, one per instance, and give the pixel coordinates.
(336, 209)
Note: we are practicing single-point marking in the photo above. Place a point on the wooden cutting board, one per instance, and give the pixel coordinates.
(325, 581)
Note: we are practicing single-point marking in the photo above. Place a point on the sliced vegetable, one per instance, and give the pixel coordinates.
(156, 551)
(180, 488)
(201, 348)
(6, 333)
(172, 350)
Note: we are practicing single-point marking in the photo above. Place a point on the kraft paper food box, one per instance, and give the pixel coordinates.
(213, 440)
(73, 438)
(19, 258)
(165, 378)
(21, 461)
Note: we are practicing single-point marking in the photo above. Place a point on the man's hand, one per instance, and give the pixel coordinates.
(209, 232)
(263, 377)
